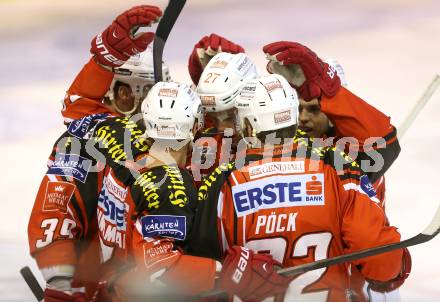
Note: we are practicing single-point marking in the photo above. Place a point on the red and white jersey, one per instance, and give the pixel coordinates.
(85, 95)
(353, 117)
(298, 207)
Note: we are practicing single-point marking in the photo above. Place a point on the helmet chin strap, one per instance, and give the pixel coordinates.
(222, 116)
(248, 142)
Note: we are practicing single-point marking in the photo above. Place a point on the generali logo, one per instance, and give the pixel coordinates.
(282, 117)
(168, 92)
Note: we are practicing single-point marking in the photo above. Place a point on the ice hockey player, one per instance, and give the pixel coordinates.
(204, 50)
(219, 84)
(163, 200)
(329, 110)
(62, 223)
(292, 202)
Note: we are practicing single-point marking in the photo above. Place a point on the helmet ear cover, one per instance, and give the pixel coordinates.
(138, 74)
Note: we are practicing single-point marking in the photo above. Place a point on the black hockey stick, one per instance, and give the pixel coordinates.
(427, 234)
(163, 30)
(32, 282)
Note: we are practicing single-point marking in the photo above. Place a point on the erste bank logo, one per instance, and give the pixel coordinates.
(279, 192)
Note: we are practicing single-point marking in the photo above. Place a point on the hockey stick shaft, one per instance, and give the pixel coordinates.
(163, 30)
(409, 119)
(32, 282)
(430, 232)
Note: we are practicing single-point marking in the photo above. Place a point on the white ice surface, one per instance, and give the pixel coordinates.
(390, 51)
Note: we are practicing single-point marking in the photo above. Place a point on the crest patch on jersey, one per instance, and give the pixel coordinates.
(168, 226)
(58, 195)
(72, 165)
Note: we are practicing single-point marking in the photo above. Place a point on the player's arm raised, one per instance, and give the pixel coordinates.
(110, 49)
(350, 115)
(205, 49)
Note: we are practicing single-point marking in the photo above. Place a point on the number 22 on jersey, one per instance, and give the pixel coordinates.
(278, 247)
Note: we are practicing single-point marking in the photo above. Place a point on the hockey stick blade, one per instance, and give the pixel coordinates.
(32, 282)
(427, 94)
(163, 30)
(430, 232)
(427, 234)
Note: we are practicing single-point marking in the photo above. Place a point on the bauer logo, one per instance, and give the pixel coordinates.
(279, 192)
(282, 117)
(165, 226)
(72, 165)
(168, 92)
(58, 195)
(79, 128)
(367, 187)
(272, 168)
(244, 66)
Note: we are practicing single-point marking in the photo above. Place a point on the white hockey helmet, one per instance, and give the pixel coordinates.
(339, 70)
(268, 103)
(170, 110)
(222, 79)
(138, 73)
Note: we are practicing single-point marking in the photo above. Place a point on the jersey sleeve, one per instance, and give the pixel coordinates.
(353, 117)
(64, 206)
(364, 225)
(110, 138)
(206, 239)
(84, 97)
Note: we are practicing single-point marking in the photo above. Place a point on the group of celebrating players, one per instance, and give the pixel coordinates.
(166, 191)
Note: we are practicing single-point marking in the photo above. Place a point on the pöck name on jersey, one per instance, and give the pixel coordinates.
(278, 192)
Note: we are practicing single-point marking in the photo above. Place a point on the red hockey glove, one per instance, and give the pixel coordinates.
(205, 49)
(53, 295)
(116, 44)
(251, 276)
(395, 283)
(314, 78)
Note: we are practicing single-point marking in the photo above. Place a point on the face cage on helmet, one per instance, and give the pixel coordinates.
(179, 133)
